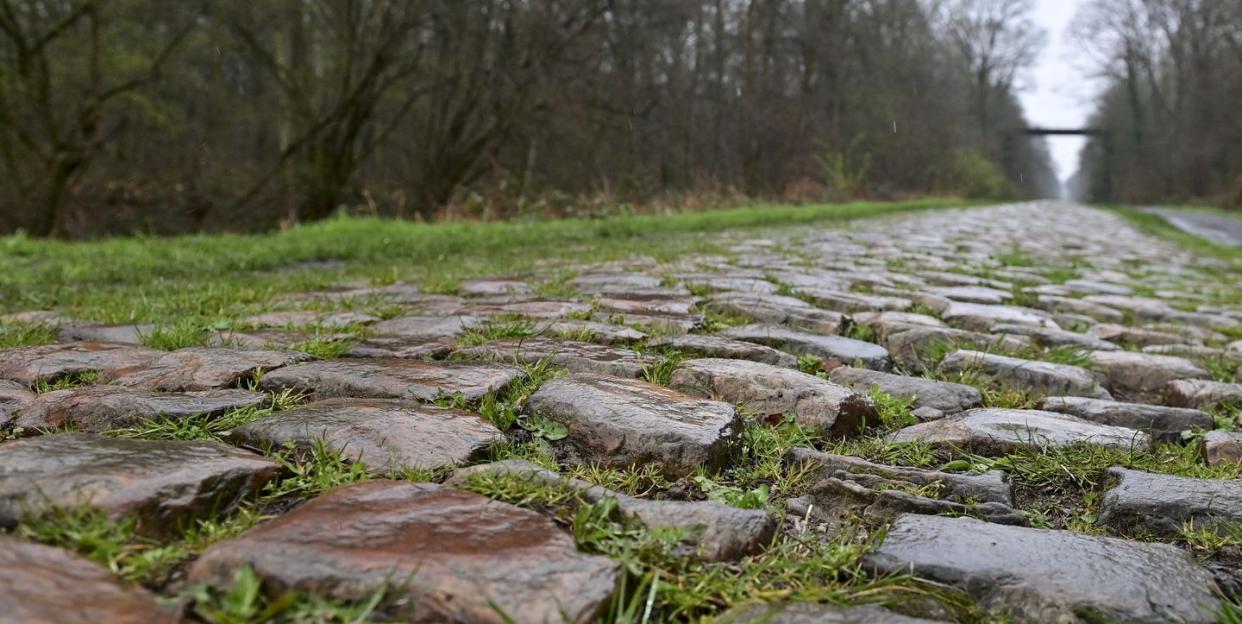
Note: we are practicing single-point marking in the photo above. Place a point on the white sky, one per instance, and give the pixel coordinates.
(1057, 93)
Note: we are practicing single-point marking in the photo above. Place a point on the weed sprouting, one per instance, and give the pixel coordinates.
(497, 330)
(65, 382)
(756, 498)
(25, 335)
(177, 335)
(205, 426)
(811, 364)
(311, 471)
(661, 371)
(634, 481)
(326, 346)
(117, 545)
(894, 412)
(503, 408)
(245, 602)
(1069, 355)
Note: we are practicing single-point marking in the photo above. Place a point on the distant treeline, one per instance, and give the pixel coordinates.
(1172, 108)
(158, 116)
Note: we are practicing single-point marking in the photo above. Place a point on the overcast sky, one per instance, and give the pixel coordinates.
(1057, 93)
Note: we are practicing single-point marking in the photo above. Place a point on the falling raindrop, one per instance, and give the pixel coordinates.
(894, 126)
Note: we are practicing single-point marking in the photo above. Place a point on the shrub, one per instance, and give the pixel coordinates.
(976, 176)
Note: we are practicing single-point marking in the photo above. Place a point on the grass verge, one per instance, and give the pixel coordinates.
(198, 281)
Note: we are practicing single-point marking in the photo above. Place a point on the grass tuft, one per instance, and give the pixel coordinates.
(497, 330)
(25, 335)
(895, 412)
(661, 371)
(66, 382)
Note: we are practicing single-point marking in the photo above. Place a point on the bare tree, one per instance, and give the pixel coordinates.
(1171, 77)
(334, 63)
(63, 74)
(997, 39)
(236, 114)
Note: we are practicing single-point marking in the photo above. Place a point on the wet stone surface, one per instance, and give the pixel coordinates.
(621, 422)
(1165, 424)
(1200, 393)
(838, 349)
(720, 347)
(1221, 447)
(1142, 377)
(1040, 378)
(13, 397)
(391, 378)
(773, 392)
(201, 368)
(103, 408)
(164, 484)
(413, 539)
(1163, 504)
(385, 434)
(116, 334)
(50, 363)
(1042, 575)
(711, 530)
(578, 357)
(45, 584)
(997, 431)
(930, 399)
(849, 488)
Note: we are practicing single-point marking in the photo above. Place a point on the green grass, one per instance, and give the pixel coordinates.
(198, 281)
(1072, 356)
(497, 329)
(761, 461)
(895, 412)
(116, 545)
(661, 370)
(1157, 225)
(203, 426)
(717, 321)
(811, 364)
(178, 335)
(25, 335)
(244, 602)
(503, 408)
(1016, 257)
(326, 346)
(660, 584)
(65, 382)
(638, 481)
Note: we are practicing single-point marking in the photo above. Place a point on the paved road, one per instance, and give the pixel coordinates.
(1218, 228)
